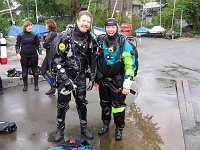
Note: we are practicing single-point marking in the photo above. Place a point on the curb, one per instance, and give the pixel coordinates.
(9, 82)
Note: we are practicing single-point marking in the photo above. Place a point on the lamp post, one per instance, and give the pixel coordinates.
(142, 15)
(143, 11)
(160, 12)
(36, 10)
(27, 9)
(173, 20)
(181, 23)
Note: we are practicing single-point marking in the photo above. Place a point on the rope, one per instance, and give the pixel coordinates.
(114, 8)
(88, 5)
(91, 28)
(10, 11)
(36, 11)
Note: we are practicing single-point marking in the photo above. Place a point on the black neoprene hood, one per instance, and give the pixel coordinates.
(111, 22)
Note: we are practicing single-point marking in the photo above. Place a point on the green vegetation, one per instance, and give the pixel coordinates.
(64, 12)
(190, 11)
(4, 19)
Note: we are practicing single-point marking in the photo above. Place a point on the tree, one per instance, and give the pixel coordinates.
(68, 10)
(124, 8)
(100, 13)
(4, 18)
(190, 10)
(192, 14)
(46, 8)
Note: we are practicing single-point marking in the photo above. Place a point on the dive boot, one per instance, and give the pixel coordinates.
(103, 130)
(59, 133)
(105, 127)
(51, 91)
(87, 133)
(25, 88)
(1, 92)
(118, 133)
(25, 81)
(36, 88)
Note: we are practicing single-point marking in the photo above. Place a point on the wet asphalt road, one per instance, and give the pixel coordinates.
(152, 118)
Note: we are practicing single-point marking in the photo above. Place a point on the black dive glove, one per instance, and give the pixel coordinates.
(69, 85)
(90, 85)
(91, 82)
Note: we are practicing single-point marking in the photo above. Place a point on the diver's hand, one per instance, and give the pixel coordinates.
(126, 91)
(127, 86)
(18, 57)
(90, 85)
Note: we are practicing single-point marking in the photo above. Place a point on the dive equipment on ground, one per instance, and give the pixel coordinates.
(13, 73)
(7, 127)
(78, 144)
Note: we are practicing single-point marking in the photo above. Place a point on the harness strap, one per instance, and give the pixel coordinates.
(100, 42)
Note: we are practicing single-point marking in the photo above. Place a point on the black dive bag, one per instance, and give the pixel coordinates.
(7, 127)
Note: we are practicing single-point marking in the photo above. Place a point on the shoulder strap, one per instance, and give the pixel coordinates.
(122, 41)
(100, 39)
(55, 44)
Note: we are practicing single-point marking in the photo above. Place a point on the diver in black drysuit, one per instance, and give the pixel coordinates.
(74, 53)
(1, 86)
(45, 65)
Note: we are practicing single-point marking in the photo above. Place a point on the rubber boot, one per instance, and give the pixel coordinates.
(60, 132)
(118, 133)
(25, 86)
(25, 81)
(51, 91)
(87, 133)
(1, 92)
(105, 127)
(36, 88)
(1, 86)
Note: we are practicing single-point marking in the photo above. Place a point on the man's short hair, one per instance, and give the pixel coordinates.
(84, 12)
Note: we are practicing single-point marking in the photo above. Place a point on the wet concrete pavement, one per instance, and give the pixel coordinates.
(153, 118)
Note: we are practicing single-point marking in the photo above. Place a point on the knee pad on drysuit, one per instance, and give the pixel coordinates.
(34, 71)
(62, 108)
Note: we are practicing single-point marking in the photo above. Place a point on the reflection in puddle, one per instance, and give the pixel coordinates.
(178, 71)
(140, 133)
(165, 83)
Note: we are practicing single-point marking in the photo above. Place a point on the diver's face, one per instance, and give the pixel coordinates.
(29, 28)
(111, 30)
(47, 26)
(84, 23)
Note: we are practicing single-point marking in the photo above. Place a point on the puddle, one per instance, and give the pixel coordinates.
(140, 133)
